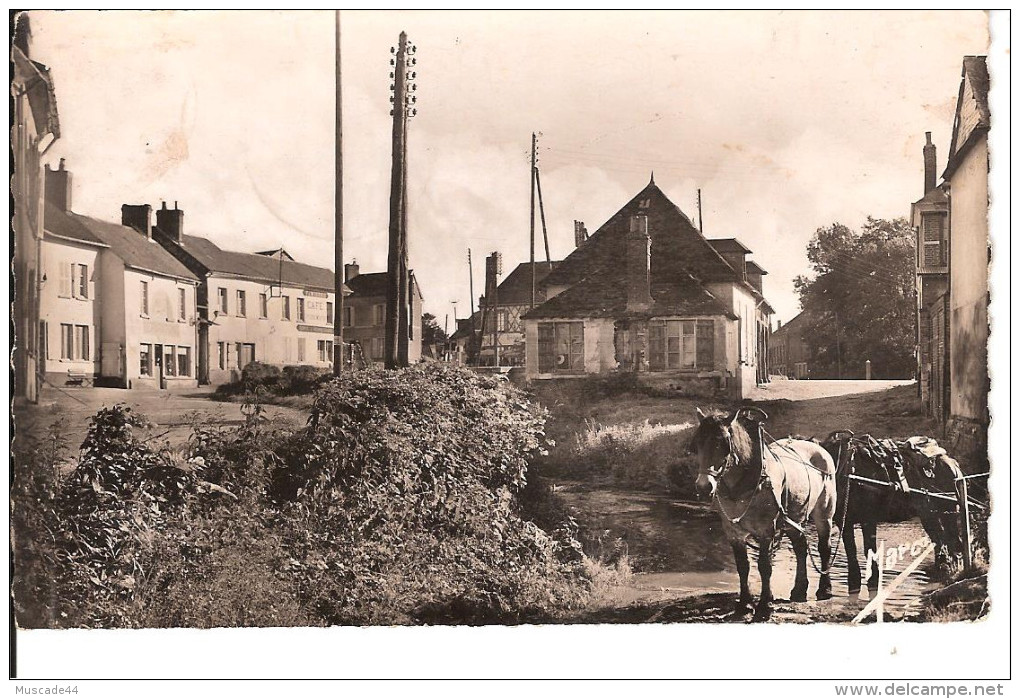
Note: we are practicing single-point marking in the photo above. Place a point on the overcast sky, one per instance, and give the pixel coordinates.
(786, 121)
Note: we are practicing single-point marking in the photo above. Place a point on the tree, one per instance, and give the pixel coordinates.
(860, 302)
(431, 333)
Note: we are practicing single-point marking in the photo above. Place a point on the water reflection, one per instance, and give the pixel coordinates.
(681, 548)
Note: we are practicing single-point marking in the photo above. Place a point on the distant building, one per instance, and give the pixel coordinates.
(115, 307)
(501, 313)
(35, 127)
(929, 217)
(365, 314)
(789, 354)
(649, 294)
(263, 307)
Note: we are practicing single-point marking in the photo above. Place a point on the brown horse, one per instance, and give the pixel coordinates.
(763, 491)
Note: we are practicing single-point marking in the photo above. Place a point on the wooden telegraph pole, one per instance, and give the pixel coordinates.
(534, 143)
(338, 223)
(471, 283)
(396, 329)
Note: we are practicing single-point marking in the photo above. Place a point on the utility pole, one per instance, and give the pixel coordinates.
(338, 223)
(541, 212)
(397, 269)
(471, 284)
(701, 226)
(534, 144)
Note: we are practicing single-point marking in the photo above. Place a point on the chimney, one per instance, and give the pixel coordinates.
(58, 187)
(139, 217)
(580, 233)
(639, 296)
(171, 223)
(779, 324)
(929, 163)
(351, 271)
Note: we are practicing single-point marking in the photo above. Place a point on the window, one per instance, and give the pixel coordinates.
(285, 313)
(379, 314)
(145, 298)
(263, 306)
(182, 304)
(80, 277)
(169, 366)
(934, 240)
(329, 312)
(145, 361)
(221, 297)
(184, 361)
(81, 342)
(66, 341)
(561, 347)
(377, 348)
(681, 344)
(301, 349)
(348, 316)
(221, 353)
(325, 350)
(301, 309)
(245, 354)
(501, 319)
(242, 303)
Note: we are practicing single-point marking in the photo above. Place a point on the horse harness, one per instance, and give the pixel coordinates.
(764, 483)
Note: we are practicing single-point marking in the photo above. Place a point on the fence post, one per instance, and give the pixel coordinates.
(962, 495)
(867, 369)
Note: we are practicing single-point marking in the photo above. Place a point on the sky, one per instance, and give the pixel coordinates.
(787, 121)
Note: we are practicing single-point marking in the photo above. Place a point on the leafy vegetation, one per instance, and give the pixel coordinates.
(859, 303)
(405, 499)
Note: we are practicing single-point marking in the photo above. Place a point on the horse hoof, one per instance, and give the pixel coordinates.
(762, 613)
(741, 609)
(798, 596)
(824, 594)
(854, 590)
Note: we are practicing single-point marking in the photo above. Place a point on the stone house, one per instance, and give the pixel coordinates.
(789, 354)
(648, 293)
(365, 314)
(116, 308)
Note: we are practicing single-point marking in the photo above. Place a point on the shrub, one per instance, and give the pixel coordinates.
(409, 484)
(256, 375)
(301, 379)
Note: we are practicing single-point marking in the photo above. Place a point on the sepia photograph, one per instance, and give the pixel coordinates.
(327, 324)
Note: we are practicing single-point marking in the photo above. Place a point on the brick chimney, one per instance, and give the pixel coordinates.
(139, 217)
(58, 187)
(171, 223)
(929, 163)
(639, 246)
(351, 271)
(580, 233)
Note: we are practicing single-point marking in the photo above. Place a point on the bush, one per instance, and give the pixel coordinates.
(256, 375)
(409, 485)
(301, 379)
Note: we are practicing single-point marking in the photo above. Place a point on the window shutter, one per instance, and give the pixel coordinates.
(65, 279)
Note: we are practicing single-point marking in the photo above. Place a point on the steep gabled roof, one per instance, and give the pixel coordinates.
(256, 266)
(516, 288)
(677, 246)
(129, 245)
(973, 117)
(682, 261)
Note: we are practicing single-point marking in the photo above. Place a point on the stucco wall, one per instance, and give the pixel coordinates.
(968, 298)
(57, 306)
(160, 326)
(275, 337)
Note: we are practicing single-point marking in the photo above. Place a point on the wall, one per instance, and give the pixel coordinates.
(160, 326)
(275, 338)
(365, 330)
(743, 361)
(57, 306)
(968, 297)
